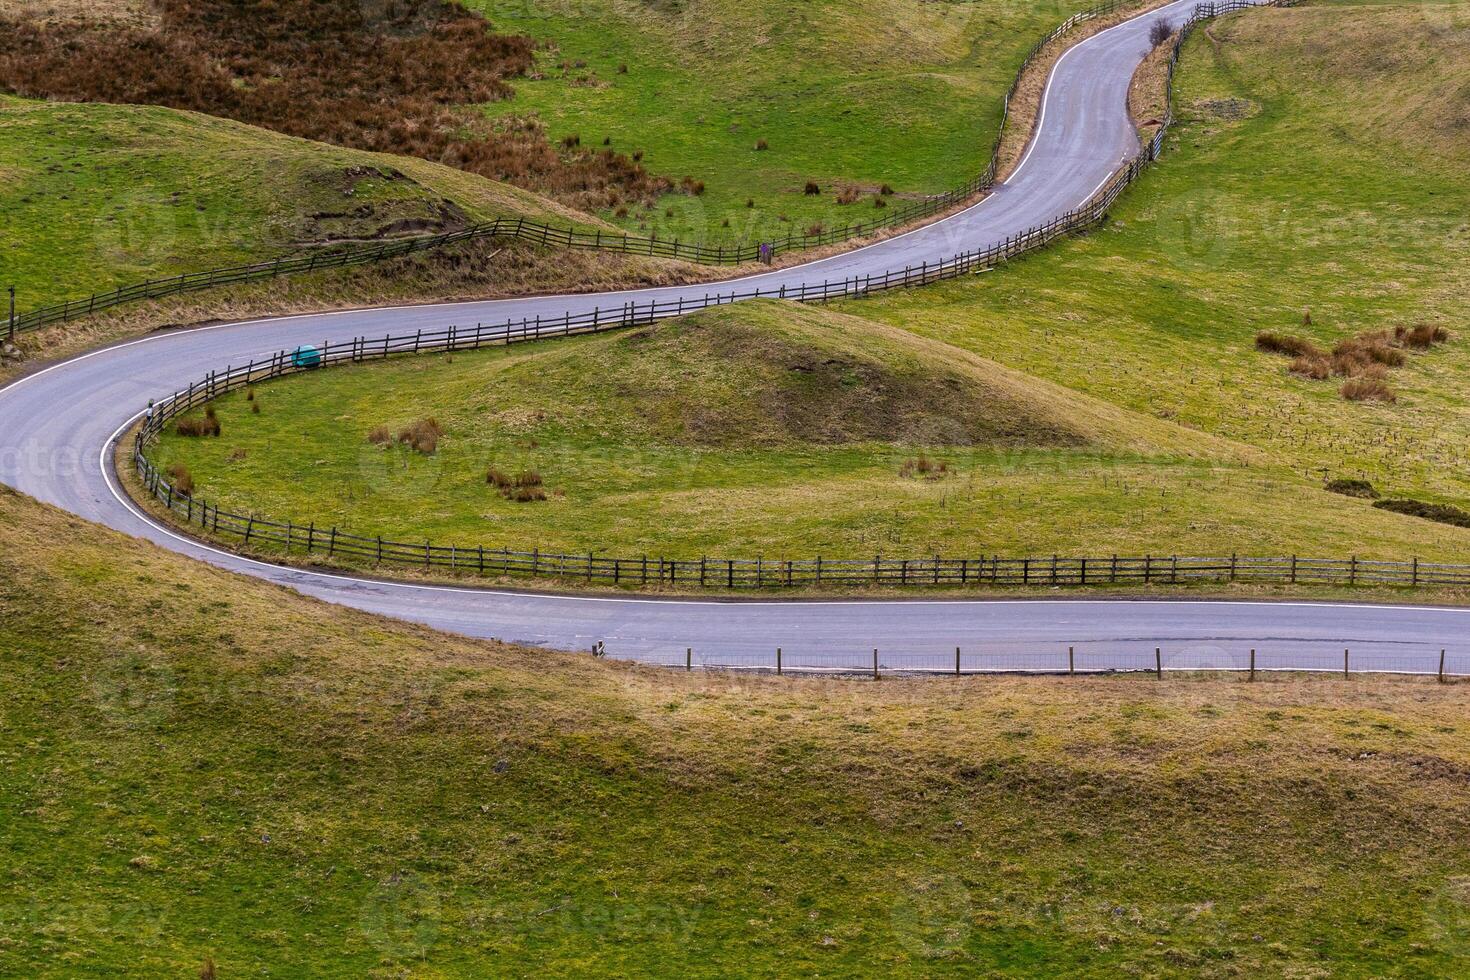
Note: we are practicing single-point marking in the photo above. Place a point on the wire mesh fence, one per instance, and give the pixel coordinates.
(540, 234)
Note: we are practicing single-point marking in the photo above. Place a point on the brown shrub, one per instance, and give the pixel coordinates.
(691, 186)
(528, 478)
(848, 195)
(525, 495)
(885, 190)
(497, 478)
(811, 189)
(1366, 390)
(181, 479)
(379, 436)
(208, 425)
(1318, 368)
(879, 202)
(761, 144)
(422, 436)
(813, 230)
(924, 467)
(1276, 343)
(1421, 337)
(1444, 513)
(1372, 347)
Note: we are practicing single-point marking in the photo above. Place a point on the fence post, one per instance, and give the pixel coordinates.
(875, 663)
(957, 661)
(1344, 663)
(778, 661)
(1441, 666)
(688, 658)
(1253, 663)
(1159, 663)
(1071, 660)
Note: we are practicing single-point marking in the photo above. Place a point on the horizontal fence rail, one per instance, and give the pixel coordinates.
(540, 234)
(1442, 663)
(333, 544)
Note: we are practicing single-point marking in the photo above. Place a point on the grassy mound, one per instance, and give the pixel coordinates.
(100, 195)
(202, 769)
(771, 373)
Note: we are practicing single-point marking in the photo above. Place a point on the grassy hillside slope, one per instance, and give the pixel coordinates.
(844, 92)
(1286, 191)
(97, 196)
(202, 769)
(759, 429)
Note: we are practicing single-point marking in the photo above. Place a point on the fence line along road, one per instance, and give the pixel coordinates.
(537, 233)
(1443, 664)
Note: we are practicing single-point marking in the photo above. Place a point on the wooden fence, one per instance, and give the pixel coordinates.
(1426, 661)
(540, 234)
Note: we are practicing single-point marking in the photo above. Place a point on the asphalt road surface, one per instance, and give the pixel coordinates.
(59, 425)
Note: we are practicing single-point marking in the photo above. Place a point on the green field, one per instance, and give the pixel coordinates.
(200, 768)
(1282, 193)
(97, 196)
(1209, 445)
(845, 92)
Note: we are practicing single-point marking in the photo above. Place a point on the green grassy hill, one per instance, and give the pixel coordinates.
(202, 769)
(97, 196)
(845, 93)
(1284, 194)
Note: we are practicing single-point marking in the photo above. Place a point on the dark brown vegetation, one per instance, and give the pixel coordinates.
(812, 188)
(524, 487)
(1363, 359)
(1160, 31)
(181, 480)
(1367, 390)
(1352, 488)
(1443, 513)
(381, 75)
(848, 195)
(208, 425)
(422, 436)
(925, 468)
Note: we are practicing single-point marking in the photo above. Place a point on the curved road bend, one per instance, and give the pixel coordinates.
(60, 423)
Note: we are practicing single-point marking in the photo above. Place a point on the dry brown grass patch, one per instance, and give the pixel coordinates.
(1367, 390)
(422, 436)
(181, 479)
(205, 425)
(332, 70)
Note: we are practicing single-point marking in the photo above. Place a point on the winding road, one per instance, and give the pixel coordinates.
(61, 424)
